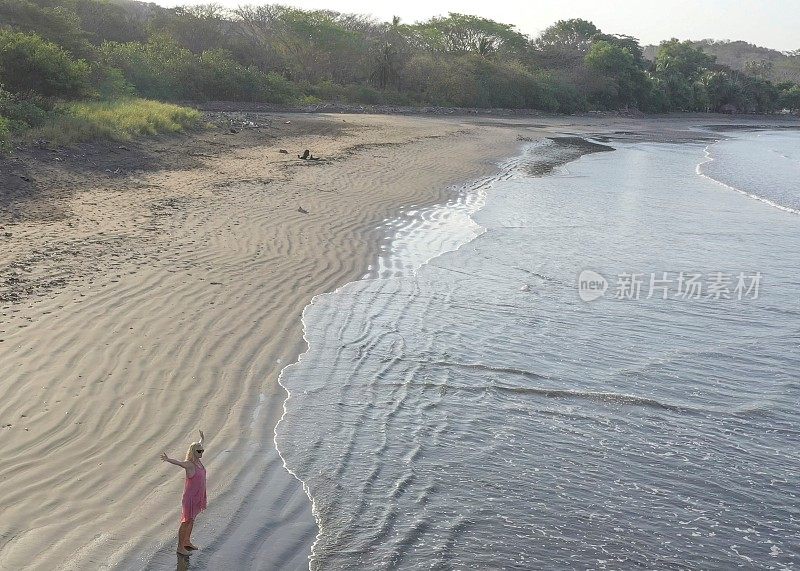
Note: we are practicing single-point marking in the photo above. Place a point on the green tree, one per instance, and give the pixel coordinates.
(198, 28)
(680, 67)
(311, 46)
(572, 35)
(719, 88)
(627, 43)
(55, 24)
(759, 95)
(682, 58)
(390, 52)
(657, 99)
(385, 62)
(461, 33)
(561, 49)
(622, 82)
(102, 20)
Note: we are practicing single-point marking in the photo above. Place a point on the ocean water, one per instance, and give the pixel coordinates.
(470, 410)
(763, 164)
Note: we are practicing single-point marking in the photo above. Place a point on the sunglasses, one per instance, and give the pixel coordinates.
(199, 451)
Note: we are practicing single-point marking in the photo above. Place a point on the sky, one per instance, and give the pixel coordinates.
(770, 23)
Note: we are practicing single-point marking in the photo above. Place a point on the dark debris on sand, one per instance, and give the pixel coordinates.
(562, 151)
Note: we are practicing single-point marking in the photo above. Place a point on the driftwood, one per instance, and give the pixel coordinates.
(307, 156)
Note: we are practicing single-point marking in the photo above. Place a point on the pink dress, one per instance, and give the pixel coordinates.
(194, 494)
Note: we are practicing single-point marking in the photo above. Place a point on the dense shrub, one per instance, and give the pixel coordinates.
(29, 64)
(21, 114)
(789, 97)
(555, 95)
(474, 81)
(223, 79)
(161, 69)
(110, 82)
(278, 89)
(354, 94)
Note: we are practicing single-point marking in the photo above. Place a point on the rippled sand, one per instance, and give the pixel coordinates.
(194, 314)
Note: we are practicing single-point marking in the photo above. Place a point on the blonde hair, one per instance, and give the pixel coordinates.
(191, 453)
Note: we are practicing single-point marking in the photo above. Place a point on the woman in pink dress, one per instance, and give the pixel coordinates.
(194, 493)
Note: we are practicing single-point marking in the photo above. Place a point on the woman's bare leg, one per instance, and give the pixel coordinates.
(183, 537)
(189, 534)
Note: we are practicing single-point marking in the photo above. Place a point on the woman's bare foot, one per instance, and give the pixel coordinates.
(183, 552)
(191, 547)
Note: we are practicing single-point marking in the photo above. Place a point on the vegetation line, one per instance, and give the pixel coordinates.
(52, 52)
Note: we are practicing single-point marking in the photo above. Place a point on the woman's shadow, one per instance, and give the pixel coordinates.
(183, 562)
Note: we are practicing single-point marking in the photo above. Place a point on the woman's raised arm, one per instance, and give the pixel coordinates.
(188, 466)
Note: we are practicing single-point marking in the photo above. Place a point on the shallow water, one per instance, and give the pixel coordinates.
(474, 412)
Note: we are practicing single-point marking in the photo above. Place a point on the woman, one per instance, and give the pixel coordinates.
(194, 493)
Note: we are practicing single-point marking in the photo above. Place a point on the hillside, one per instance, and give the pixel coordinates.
(742, 56)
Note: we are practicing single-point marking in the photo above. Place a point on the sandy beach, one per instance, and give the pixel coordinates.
(137, 309)
(152, 289)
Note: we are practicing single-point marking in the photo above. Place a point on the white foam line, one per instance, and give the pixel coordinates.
(709, 158)
(314, 511)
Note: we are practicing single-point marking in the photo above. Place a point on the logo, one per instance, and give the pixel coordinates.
(591, 285)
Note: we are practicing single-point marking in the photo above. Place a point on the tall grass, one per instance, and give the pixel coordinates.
(119, 120)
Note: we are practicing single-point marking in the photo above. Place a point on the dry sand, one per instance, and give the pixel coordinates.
(153, 290)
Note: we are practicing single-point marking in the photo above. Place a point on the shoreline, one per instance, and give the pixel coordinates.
(219, 232)
(463, 201)
(457, 200)
(421, 145)
(491, 112)
(368, 399)
(707, 158)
